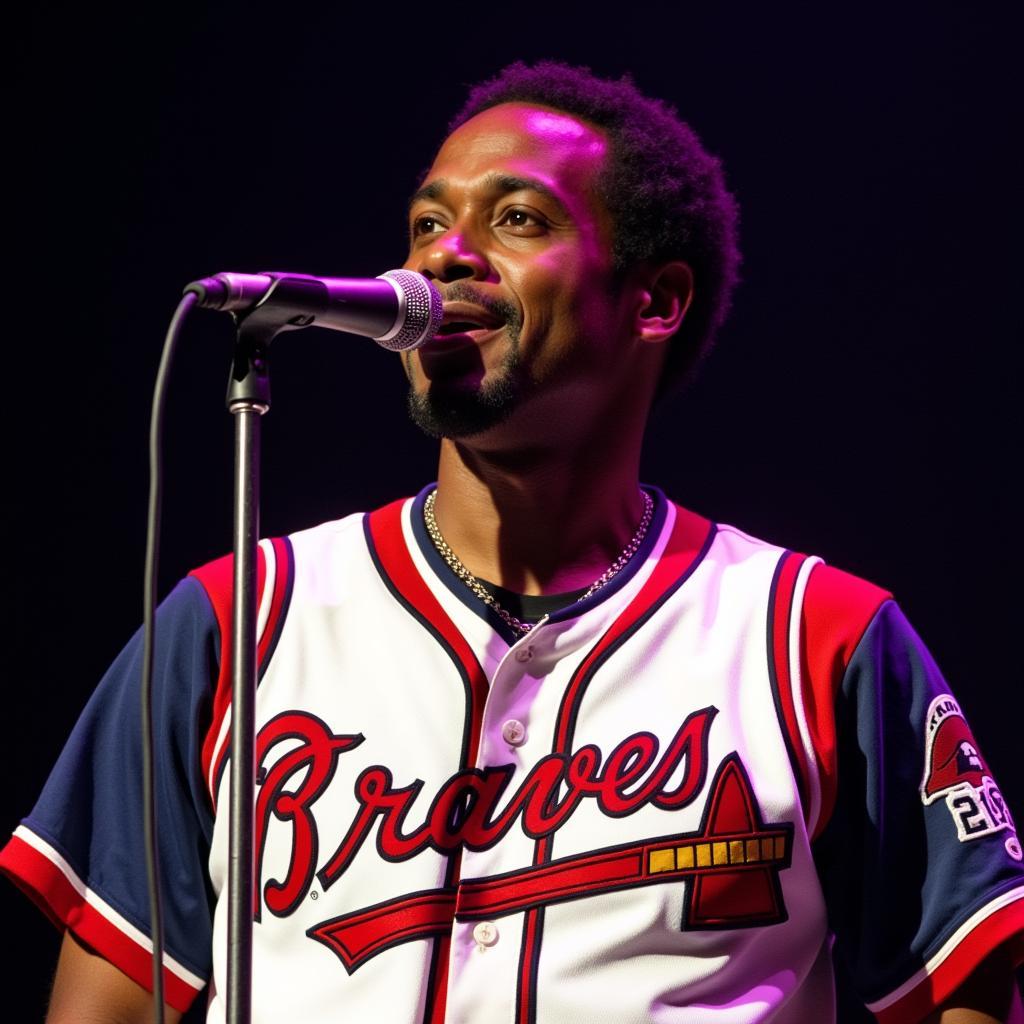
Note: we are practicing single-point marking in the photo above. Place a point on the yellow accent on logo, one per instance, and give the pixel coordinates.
(662, 860)
(719, 854)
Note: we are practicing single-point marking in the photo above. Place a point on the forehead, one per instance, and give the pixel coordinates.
(563, 152)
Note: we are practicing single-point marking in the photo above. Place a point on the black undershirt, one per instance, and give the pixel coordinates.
(530, 608)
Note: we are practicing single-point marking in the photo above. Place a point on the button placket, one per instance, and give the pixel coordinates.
(526, 647)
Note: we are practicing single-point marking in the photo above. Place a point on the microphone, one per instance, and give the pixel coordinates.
(399, 310)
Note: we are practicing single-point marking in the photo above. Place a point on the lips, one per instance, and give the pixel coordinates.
(465, 318)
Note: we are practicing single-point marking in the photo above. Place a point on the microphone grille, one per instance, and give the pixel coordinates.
(420, 314)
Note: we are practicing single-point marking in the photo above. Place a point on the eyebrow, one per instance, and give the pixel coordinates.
(502, 183)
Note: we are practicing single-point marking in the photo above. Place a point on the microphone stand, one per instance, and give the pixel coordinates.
(247, 400)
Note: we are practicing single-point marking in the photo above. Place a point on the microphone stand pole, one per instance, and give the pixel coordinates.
(248, 399)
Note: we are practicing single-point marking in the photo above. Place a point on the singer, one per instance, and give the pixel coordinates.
(540, 745)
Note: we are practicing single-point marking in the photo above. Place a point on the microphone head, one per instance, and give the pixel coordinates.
(420, 309)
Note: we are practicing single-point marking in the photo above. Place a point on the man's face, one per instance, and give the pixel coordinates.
(508, 224)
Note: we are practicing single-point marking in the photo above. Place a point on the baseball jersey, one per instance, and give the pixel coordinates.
(676, 800)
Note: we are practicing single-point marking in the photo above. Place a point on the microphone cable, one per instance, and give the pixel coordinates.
(156, 470)
(415, 310)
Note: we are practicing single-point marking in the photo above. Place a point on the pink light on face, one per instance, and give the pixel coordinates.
(552, 125)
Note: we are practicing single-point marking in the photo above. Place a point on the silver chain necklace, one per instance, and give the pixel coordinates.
(453, 563)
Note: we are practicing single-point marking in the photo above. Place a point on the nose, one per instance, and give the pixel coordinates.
(454, 256)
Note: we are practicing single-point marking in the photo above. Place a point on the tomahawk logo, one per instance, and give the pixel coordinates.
(955, 770)
(732, 860)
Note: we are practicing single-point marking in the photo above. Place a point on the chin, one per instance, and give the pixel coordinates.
(454, 412)
(458, 405)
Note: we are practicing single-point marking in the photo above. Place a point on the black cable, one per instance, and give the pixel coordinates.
(156, 426)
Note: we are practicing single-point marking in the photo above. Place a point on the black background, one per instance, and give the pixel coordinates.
(862, 402)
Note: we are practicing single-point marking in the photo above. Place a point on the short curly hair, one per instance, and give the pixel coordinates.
(666, 194)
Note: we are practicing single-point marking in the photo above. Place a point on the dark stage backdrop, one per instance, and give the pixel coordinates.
(862, 403)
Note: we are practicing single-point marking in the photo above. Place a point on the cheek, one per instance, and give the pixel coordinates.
(552, 292)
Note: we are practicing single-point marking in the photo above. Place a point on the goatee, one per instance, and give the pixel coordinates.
(457, 408)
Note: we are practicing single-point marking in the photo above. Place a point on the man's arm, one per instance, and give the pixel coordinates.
(89, 990)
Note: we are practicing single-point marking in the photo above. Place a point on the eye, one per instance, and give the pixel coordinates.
(526, 222)
(426, 225)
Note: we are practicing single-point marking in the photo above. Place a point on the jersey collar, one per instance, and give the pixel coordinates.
(447, 577)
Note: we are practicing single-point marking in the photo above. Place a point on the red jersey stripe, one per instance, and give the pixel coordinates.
(394, 560)
(837, 609)
(690, 538)
(940, 983)
(216, 579)
(780, 617)
(282, 581)
(51, 890)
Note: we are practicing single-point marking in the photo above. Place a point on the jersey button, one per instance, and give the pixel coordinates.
(485, 934)
(524, 653)
(514, 732)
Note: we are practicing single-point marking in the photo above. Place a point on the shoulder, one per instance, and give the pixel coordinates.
(323, 560)
(277, 556)
(819, 618)
(310, 541)
(835, 607)
(837, 611)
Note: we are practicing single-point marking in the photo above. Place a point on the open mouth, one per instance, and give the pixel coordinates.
(461, 327)
(462, 318)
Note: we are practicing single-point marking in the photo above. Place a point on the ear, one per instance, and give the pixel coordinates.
(664, 302)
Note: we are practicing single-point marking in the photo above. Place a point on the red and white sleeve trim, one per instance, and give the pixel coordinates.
(37, 868)
(272, 584)
(812, 812)
(835, 611)
(950, 967)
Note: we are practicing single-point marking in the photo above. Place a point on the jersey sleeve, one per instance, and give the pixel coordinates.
(918, 855)
(80, 853)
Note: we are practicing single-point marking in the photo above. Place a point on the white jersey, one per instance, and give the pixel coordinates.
(662, 804)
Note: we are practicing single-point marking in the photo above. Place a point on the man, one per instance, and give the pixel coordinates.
(612, 762)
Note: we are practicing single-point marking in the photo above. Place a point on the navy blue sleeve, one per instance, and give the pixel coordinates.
(80, 853)
(920, 862)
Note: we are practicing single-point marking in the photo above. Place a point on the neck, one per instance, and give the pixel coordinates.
(538, 522)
